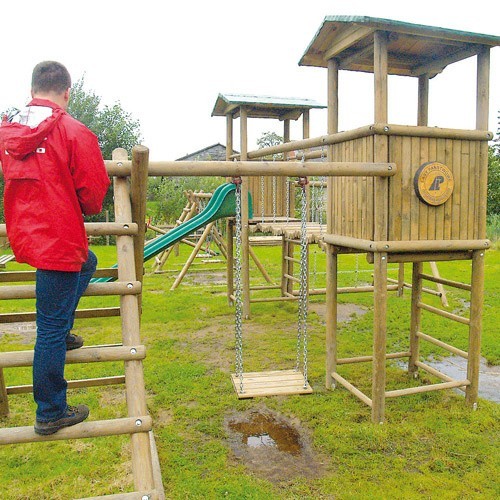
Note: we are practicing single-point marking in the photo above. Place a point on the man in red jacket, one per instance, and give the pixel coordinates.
(54, 173)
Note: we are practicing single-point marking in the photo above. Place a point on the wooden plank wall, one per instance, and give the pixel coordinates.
(256, 191)
(409, 218)
(352, 207)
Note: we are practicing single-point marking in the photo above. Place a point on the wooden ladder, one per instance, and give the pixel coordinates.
(129, 232)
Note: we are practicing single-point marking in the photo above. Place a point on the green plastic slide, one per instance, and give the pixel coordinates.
(222, 204)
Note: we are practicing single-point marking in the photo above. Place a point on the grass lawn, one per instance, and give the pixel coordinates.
(431, 445)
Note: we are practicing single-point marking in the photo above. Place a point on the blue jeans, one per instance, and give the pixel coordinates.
(57, 296)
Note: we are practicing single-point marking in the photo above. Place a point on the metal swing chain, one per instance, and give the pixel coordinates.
(303, 292)
(238, 287)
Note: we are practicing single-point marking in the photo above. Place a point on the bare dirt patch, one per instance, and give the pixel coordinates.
(345, 312)
(24, 333)
(271, 445)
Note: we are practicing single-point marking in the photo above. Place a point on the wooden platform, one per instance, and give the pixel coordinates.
(273, 383)
(292, 230)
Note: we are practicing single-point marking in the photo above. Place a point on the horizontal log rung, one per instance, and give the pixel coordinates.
(442, 281)
(83, 355)
(73, 384)
(273, 299)
(292, 259)
(352, 389)
(409, 285)
(94, 289)
(87, 429)
(436, 373)
(265, 287)
(134, 495)
(104, 312)
(292, 278)
(427, 388)
(365, 359)
(443, 345)
(99, 228)
(444, 314)
(20, 276)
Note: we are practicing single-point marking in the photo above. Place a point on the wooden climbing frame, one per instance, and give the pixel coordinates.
(129, 230)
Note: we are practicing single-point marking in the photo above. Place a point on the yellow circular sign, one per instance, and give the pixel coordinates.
(434, 183)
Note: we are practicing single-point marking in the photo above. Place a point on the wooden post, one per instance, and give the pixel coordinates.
(192, 256)
(440, 287)
(475, 326)
(134, 375)
(416, 298)
(331, 314)
(305, 124)
(379, 336)
(423, 100)
(138, 194)
(229, 136)
(333, 97)
(245, 255)
(107, 220)
(401, 279)
(482, 117)
(380, 65)
(4, 403)
(331, 255)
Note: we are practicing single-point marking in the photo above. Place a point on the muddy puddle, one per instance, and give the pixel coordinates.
(456, 368)
(489, 376)
(271, 445)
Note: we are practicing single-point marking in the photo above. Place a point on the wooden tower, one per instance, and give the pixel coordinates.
(269, 194)
(432, 209)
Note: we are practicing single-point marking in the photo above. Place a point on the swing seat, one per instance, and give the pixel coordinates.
(272, 383)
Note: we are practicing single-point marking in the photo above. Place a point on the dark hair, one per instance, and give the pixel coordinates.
(50, 76)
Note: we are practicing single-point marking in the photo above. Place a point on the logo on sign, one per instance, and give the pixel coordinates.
(433, 183)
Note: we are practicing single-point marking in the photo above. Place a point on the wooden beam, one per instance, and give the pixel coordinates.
(438, 65)
(351, 36)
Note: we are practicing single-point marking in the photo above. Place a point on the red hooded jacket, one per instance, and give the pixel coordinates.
(54, 173)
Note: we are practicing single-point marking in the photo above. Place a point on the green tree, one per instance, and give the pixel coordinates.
(493, 202)
(113, 126)
(268, 139)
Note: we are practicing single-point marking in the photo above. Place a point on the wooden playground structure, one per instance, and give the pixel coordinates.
(396, 193)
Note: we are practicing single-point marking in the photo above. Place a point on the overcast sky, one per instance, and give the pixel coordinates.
(166, 62)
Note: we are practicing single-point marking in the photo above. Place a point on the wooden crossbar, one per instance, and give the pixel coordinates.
(366, 359)
(443, 345)
(442, 281)
(134, 495)
(87, 429)
(73, 384)
(444, 314)
(83, 355)
(94, 289)
(19, 276)
(426, 388)
(22, 317)
(352, 389)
